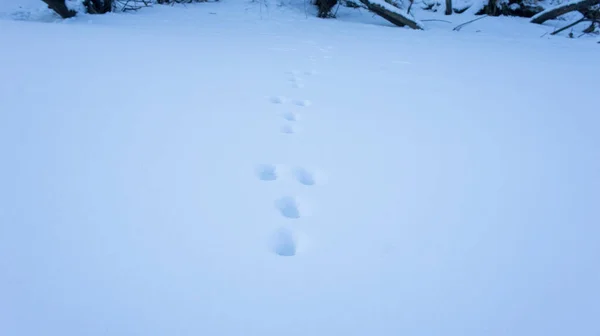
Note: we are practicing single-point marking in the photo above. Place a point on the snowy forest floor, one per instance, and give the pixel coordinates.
(224, 169)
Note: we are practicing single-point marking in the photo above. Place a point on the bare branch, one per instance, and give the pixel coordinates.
(391, 13)
(568, 26)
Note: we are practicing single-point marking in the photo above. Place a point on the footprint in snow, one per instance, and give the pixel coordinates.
(296, 81)
(303, 103)
(284, 243)
(278, 99)
(287, 129)
(304, 176)
(288, 207)
(266, 172)
(290, 116)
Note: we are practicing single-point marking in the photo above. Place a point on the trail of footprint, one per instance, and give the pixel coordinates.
(293, 76)
(266, 172)
(288, 207)
(284, 243)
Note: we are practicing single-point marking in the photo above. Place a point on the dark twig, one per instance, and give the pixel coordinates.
(337, 8)
(569, 26)
(410, 6)
(429, 20)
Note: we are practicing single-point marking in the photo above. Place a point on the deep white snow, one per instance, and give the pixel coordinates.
(235, 169)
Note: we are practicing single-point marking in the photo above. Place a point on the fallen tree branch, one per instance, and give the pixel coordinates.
(459, 27)
(435, 20)
(568, 26)
(391, 13)
(554, 12)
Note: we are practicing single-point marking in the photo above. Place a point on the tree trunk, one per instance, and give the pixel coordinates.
(325, 7)
(60, 8)
(448, 7)
(391, 13)
(553, 13)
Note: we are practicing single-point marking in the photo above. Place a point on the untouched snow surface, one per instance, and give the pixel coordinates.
(222, 170)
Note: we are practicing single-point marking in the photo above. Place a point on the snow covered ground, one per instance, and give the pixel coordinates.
(228, 169)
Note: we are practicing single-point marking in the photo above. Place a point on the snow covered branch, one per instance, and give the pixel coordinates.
(554, 12)
(392, 14)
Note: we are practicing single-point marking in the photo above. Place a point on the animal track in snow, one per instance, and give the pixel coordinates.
(278, 99)
(284, 243)
(266, 172)
(304, 176)
(287, 129)
(288, 207)
(296, 82)
(290, 116)
(304, 103)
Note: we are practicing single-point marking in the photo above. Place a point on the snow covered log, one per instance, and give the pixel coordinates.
(60, 8)
(392, 14)
(554, 12)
